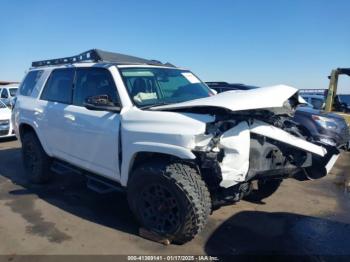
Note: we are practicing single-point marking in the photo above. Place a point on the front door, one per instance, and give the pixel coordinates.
(94, 135)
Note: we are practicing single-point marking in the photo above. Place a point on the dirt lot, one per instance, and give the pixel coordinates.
(64, 217)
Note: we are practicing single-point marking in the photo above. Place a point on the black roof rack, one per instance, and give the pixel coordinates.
(96, 55)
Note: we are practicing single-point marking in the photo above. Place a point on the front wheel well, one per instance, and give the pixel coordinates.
(143, 157)
(25, 128)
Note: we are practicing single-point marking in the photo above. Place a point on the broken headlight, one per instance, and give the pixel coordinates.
(325, 122)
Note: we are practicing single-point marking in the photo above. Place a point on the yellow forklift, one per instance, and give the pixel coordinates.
(333, 103)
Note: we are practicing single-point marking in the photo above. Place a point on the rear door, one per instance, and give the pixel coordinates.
(52, 112)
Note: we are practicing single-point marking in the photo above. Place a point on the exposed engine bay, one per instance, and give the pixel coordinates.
(245, 146)
(253, 138)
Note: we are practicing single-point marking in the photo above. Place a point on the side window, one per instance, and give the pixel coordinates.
(59, 86)
(317, 103)
(94, 82)
(4, 93)
(13, 92)
(29, 82)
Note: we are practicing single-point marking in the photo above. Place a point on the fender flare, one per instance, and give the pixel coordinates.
(36, 129)
(150, 147)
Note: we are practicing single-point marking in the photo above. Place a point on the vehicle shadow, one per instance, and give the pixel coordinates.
(250, 234)
(7, 139)
(67, 192)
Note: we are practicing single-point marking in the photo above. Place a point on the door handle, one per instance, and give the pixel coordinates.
(69, 117)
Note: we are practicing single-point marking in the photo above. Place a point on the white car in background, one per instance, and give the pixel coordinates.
(8, 93)
(5, 121)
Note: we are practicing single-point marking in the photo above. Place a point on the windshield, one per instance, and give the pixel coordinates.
(345, 99)
(149, 87)
(2, 105)
(13, 91)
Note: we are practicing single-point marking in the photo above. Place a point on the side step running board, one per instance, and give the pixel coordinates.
(63, 168)
(96, 183)
(101, 187)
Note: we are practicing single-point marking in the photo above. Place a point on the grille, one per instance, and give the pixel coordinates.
(4, 132)
(4, 127)
(4, 122)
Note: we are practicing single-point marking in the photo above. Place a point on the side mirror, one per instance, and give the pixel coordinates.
(101, 103)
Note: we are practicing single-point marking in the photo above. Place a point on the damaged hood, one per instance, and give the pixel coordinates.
(238, 100)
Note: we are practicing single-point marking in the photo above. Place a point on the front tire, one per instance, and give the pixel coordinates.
(36, 161)
(170, 199)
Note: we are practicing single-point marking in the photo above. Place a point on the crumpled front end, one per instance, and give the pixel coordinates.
(246, 149)
(253, 138)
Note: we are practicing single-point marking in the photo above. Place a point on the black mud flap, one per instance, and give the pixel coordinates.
(322, 165)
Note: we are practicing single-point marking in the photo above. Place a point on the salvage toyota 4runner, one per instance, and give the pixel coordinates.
(160, 134)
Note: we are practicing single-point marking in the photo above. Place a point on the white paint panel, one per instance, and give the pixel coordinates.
(5, 113)
(331, 163)
(264, 129)
(236, 145)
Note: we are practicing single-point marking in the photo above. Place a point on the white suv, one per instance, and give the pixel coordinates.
(161, 135)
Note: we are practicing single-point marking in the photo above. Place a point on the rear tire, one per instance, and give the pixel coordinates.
(36, 162)
(170, 199)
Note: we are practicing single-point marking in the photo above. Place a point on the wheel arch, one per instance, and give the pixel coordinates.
(27, 127)
(24, 128)
(142, 152)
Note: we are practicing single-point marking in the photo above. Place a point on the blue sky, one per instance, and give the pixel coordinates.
(295, 42)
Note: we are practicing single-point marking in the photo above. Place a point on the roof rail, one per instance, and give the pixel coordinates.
(96, 55)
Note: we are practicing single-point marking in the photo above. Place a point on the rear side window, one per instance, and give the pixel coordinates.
(94, 82)
(59, 86)
(29, 82)
(4, 94)
(13, 92)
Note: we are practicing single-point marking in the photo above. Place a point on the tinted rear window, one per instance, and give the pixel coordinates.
(29, 82)
(59, 86)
